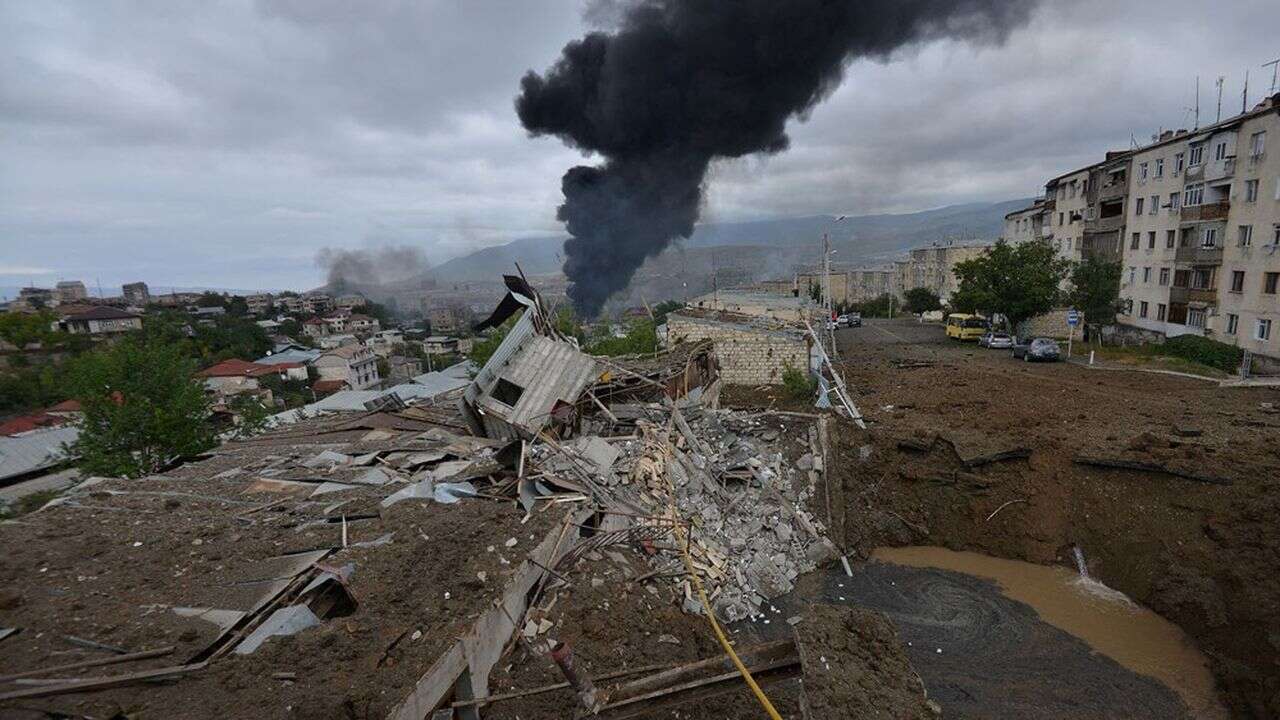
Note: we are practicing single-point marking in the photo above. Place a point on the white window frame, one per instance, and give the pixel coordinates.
(1142, 172)
(1220, 151)
(1209, 237)
(1233, 323)
(1196, 156)
(1159, 168)
(1179, 162)
(1244, 235)
(1251, 190)
(1258, 144)
(1155, 204)
(1139, 206)
(1262, 330)
(1193, 195)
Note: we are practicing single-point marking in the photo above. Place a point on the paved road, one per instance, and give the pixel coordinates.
(903, 331)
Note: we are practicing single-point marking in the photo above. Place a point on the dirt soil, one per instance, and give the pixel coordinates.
(1204, 555)
(855, 667)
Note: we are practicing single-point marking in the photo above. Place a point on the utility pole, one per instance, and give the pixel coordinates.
(1244, 98)
(1274, 65)
(1221, 81)
(1197, 102)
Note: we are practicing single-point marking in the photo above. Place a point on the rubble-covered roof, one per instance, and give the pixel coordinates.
(35, 450)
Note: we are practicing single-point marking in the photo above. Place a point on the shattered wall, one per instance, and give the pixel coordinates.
(747, 355)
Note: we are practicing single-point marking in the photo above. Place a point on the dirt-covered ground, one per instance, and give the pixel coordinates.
(1201, 547)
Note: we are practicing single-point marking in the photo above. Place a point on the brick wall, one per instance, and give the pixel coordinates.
(747, 356)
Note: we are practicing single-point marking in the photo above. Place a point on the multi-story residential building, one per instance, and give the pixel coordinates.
(1203, 249)
(317, 303)
(69, 291)
(258, 303)
(315, 327)
(355, 365)
(291, 304)
(36, 298)
(1066, 200)
(384, 343)
(350, 302)
(1106, 197)
(136, 294)
(1024, 225)
(934, 267)
(362, 325)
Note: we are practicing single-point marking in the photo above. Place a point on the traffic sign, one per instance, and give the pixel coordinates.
(1073, 318)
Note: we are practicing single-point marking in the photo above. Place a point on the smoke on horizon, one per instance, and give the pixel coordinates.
(680, 83)
(376, 265)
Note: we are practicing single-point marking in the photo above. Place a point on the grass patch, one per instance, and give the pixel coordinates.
(1157, 357)
(28, 503)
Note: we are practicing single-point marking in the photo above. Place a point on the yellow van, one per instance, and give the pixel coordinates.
(966, 327)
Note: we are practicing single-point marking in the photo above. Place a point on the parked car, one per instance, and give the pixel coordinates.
(842, 321)
(1036, 349)
(996, 341)
(855, 319)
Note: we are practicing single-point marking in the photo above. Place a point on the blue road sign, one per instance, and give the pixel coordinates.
(1073, 318)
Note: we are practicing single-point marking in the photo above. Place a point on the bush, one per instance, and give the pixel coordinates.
(798, 384)
(1202, 350)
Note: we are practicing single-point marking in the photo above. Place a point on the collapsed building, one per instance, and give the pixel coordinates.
(391, 558)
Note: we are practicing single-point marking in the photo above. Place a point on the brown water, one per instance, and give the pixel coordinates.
(1105, 619)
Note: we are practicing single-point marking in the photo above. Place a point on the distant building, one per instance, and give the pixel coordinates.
(136, 294)
(100, 321)
(34, 298)
(350, 302)
(1025, 225)
(315, 327)
(758, 304)
(362, 324)
(440, 345)
(442, 319)
(71, 291)
(384, 342)
(330, 342)
(291, 304)
(934, 268)
(403, 369)
(317, 303)
(354, 365)
(258, 303)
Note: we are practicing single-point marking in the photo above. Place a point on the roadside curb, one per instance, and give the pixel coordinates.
(1174, 373)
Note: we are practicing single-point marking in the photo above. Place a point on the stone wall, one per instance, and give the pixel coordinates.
(747, 355)
(1051, 324)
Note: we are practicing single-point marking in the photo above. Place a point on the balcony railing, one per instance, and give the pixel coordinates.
(1112, 191)
(1179, 295)
(1199, 255)
(1207, 211)
(1202, 296)
(1101, 225)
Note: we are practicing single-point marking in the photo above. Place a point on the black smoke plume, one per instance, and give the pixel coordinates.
(680, 83)
(355, 269)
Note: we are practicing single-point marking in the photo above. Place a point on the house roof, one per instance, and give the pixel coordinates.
(66, 406)
(27, 423)
(357, 317)
(347, 351)
(34, 450)
(103, 313)
(238, 368)
(314, 321)
(290, 356)
(327, 386)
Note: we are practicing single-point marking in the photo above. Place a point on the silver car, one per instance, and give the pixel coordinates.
(1037, 349)
(996, 341)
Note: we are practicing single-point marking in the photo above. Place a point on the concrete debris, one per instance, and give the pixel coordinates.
(289, 620)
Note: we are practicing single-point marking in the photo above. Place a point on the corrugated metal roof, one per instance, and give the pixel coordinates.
(290, 355)
(547, 371)
(33, 451)
(510, 345)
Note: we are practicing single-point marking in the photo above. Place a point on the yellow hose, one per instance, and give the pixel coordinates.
(683, 540)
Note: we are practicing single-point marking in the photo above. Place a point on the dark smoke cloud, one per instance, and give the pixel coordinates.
(371, 266)
(680, 83)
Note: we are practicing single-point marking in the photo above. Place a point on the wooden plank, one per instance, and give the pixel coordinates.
(1142, 466)
(104, 683)
(141, 655)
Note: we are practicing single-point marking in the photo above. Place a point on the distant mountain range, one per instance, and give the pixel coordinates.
(858, 239)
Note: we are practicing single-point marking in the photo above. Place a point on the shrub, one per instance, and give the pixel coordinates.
(1202, 350)
(798, 384)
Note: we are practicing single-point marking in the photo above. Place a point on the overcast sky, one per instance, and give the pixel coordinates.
(225, 143)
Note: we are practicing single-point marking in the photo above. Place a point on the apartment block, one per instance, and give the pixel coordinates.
(259, 303)
(1025, 225)
(1066, 200)
(1202, 254)
(69, 291)
(1106, 199)
(136, 294)
(934, 267)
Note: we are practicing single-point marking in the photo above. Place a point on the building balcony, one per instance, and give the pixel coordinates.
(1104, 225)
(1198, 255)
(1209, 297)
(1220, 169)
(1113, 191)
(1205, 212)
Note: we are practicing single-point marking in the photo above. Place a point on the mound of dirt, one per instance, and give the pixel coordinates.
(855, 667)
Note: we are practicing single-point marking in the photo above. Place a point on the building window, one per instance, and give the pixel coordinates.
(1138, 208)
(1178, 163)
(1209, 237)
(1195, 317)
(1142, 309)
(1233, 323)
(1251, 191)
(1275, 236)
(1170, 238)
(1197, 155)
(1270, 281)
(1133, 274)
(1155, 204)
(1202, 278)
(1159, 168)
(1181, 278)
(1151, 240)
(1164, 276)
(1264, 329)
(1142, 172)
(1194, 195)
(1220, 151)
(1173, 202)
(1237, 281)
(1060, 219)
(1135, 241)
(1257, 145)
(1146, 274)
(1245, 235)
(1160, 311)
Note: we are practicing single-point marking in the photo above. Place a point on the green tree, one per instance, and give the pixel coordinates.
(22, 329)
(922, 300)
(566, 323)
(251, 416)
(142, 407)
(1096, 290)
(1019, 281)
(662, 309)
(641, 338)
(483, 349)
(877, 307)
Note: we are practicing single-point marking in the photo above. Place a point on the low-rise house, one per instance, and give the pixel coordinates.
(384, 343)
(100, 321)
(362, 324)
(330, 342)
(232, 377)
(269, 325)
(403, 369)
(291, 304)
(440, 345)
(337, 321)
(292, 355)
(315, 327)
(751, 350)
(355, 365)
(258, 303)
(204, 313)
(317, 304)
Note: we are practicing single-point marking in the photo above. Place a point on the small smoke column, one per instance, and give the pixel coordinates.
(680, 83)
(370, 266)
